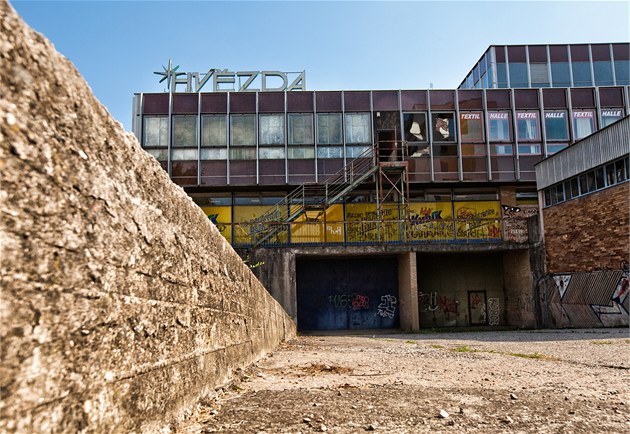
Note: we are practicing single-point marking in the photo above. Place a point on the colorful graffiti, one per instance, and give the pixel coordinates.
(447, 304)
(587, 299)
(478, 220)
(387, 307)
(515, 225)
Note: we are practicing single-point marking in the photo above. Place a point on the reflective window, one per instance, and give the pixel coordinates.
(443, 127)
(243, 153)
(155, 132)
(358, 151)
(271, 129)
(329, 152)
(527, 126)
(213, 130)
(274, 153)
(621, 167)
(301, 152)
(501, 150)
(582, 74)
(470, 126)
(539, 74)
(243, 130)
(185, 131)
(560, 74)
(556, 126)
(358, 128)
(603, 73)
(610, 116)
(529, 149)
(502, 76)
(300, 129)
(184, 154)
(583, 123)
(159, 154)
(499, 127)
(214, 154)
(518, 74)
(622, 71)
(329, 129)
(555, 148)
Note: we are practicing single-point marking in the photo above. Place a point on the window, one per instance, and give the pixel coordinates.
(213, 130)
(358, 151)
(329, 152)
(358, 128)
(471, 127)
(415, 127)
(329, 129)
(555, 148)
(556, 126)
(574, 189)
(502, 76)
(300, 129)
(602, 70)
(185, 131)
(560, 74)
(184, 154)
(529, 149)
(582, 74)
(501, 150)
(539, 74)
(583, 123)
(272, 153)
(610, 116)
(155, 132)
(622, 71)
(243, 130)
(159, 154)
(527, 126)
(301, 152)
(443, 127)
(518, 74)
(499, 127)
(621, 168)
(271, 129)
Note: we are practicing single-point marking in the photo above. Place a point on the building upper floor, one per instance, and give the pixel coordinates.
(253, 139)
(535, 66)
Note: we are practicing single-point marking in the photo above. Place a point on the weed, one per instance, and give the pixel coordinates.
(602, 342)
(465, 349)
(436, 346)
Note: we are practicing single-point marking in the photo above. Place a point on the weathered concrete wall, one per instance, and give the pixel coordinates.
(120, 303)
(408, 291)
(520, 307)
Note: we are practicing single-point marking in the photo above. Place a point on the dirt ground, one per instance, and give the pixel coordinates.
(569, 381)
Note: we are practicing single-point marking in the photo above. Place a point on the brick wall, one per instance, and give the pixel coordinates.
(588, 233)
(121, 304)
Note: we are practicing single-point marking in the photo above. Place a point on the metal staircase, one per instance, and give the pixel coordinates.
(311, 197)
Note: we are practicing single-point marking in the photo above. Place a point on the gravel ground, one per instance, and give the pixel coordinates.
(568, 381)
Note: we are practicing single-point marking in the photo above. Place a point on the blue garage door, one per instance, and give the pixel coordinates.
(347, 294)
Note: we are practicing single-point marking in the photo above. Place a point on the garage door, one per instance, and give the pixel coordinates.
(348, 293)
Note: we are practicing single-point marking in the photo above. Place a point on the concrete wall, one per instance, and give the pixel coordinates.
(121, 304)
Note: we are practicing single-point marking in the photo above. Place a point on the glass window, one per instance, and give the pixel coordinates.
(559, 191)
(600, 178)
(527, 126)
(603, 73)
(556, 126)
(529, 149)
(155, 132)
(473, 150)
(502, 76)
(582, 74)
(184, 154)
(243, 153)
(329, 129)
(358, 128)
(213, 130)
(214, 154)
(560, 74)
(539, 74)
(622, 71)
(583, 123)
(518, 74)
(159, 154)
(471, 127)
(301, 152)
(271, 129)
(300, 129)
(243, 130)
(443, 127)
(610, 116)
(610, 175)
(358, 151)
(185, 131)
(499, 127)
(556, 147)
(501, 150)
(574, 189)
(548, 197)
(275, 153)
(621, 168)
(415, 127)
(329, 152)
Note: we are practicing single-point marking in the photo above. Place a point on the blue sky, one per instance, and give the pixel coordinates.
(117, 45)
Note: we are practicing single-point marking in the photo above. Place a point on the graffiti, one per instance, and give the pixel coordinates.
(346, 301)
(447, 304)
(428, 301)
(562, 283)
(516, 230)
(493, 311)
(387, 307)
(213, 218)
(510, 211)
(360, 302)
(475, 300)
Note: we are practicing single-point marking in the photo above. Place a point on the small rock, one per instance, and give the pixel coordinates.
(214, 412)
(372, 427)
(259, 374)
(306, 420)
(443, 414)
(507, 419)
(451, 423)
(513, 396)
(323, 428)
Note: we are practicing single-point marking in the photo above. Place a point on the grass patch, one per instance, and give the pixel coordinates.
(436, 346)
(602, 342)
(465, 349)
(411, 342)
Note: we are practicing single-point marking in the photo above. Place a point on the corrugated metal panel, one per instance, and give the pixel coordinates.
(606, 145)
(592, 288)
(582, 315)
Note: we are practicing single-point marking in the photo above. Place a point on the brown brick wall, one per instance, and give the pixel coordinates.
(588, 233)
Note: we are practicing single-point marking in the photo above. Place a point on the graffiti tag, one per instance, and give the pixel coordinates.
(387, 307)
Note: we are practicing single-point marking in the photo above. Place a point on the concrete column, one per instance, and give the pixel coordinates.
(408, 292)
(277, 274)
(519, 294)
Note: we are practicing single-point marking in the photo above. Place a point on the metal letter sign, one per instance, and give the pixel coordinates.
(224, 80)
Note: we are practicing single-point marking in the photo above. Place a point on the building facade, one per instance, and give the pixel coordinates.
(558, 65)
(379, 208)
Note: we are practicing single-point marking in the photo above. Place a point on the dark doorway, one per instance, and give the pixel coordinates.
(477, 309)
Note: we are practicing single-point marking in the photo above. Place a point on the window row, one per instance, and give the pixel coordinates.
(596, 179)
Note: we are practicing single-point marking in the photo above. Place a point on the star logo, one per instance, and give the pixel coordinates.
(168, 72)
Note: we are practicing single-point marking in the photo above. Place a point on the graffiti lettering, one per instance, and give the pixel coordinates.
(428, 301)
(347, 301)
(360, 302)
(447, 304)
(493, 311)
(387, 307)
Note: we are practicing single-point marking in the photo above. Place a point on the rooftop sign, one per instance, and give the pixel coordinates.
(224, 80)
